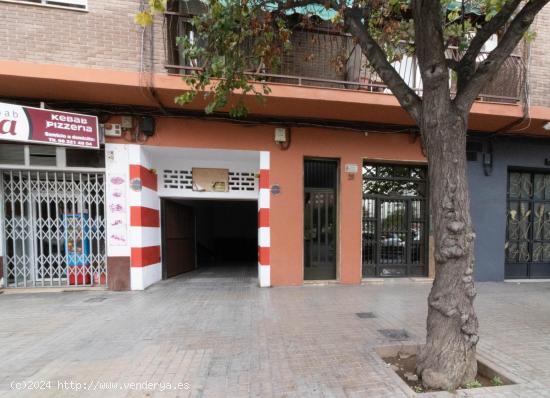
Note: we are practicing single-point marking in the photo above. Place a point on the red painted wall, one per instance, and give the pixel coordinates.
(286, 213)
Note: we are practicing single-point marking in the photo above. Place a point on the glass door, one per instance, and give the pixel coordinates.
(528, 225)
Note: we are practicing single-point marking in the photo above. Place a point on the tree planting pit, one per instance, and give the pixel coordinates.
(402, 360)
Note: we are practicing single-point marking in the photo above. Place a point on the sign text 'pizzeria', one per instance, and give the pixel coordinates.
(36, 125)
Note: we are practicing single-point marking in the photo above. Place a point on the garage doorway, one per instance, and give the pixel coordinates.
(212, 238)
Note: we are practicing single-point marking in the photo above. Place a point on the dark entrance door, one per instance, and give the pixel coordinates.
(320, 220)
(528, 225)
(395, 220)
(178, 244)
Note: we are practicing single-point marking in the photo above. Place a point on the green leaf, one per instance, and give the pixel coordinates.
(185, 98)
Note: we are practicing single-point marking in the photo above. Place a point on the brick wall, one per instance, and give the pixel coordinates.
(104, 37)
(107, 37)
(539, 63)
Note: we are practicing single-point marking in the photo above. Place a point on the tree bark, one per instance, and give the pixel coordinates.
(448, 360)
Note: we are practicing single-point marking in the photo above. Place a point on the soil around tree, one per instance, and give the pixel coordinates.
(404, 364)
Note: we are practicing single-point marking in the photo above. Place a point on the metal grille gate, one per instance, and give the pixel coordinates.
(395, 220)
(320, 219)
(54, 228)
(527, 245)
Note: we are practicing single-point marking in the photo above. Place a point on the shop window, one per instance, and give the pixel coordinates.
(42, 155)
(84, 157)
(12, 154)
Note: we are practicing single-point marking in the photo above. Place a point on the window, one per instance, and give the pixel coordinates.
(12, 154)
(42, 155)
(76, 4)
(84, 157)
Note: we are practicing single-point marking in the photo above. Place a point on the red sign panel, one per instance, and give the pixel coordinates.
(44, 126)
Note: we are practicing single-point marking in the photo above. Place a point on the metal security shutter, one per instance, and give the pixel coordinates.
(54, 228)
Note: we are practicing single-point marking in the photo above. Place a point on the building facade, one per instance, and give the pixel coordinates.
(326, 181)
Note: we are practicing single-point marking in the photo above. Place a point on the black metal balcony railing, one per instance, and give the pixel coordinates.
(322, 58)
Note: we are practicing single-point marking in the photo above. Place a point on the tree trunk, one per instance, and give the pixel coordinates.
(448, 360)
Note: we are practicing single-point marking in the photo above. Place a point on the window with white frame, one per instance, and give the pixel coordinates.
(76, 4)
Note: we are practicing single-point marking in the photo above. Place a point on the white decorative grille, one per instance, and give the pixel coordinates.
(242, 181)
(177, 179)
(239, 181)
(54, 228)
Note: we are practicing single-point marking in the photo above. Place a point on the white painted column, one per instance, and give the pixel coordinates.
(264, 229)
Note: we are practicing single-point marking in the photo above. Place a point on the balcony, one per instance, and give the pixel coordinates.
(328, 59)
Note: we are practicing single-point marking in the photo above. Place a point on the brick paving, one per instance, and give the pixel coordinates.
(228, 338)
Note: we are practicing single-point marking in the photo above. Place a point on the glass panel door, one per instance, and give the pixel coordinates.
(395, 220)
(527, 244)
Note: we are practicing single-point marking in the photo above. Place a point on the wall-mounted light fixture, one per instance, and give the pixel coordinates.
(546, 126)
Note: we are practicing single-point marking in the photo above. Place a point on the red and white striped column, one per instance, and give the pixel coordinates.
(145, 233)
(264, 232)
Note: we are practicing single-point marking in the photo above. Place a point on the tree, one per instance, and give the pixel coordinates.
(238, 35)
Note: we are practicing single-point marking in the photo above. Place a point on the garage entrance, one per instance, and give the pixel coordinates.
(217, 238)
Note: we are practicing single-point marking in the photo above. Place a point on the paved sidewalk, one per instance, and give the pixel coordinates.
(228, 338)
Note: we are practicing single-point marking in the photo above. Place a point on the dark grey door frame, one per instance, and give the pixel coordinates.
(321, 221)
(535, 243)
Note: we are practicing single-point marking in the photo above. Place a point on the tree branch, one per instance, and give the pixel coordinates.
(429, 43)
(487, 69)
(406, 96)
(488, 29)
(452, 64)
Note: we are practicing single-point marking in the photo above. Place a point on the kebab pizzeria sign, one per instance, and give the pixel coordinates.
(44, 126)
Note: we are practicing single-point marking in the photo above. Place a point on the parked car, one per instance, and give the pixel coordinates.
(392, 240)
